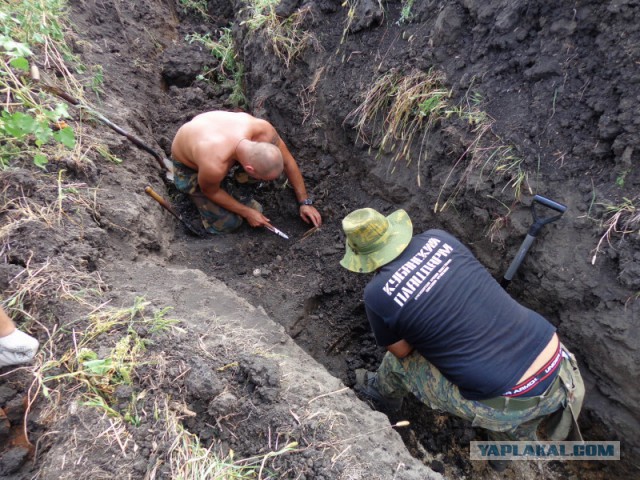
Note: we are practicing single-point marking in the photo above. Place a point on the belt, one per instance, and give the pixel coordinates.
(517, 404)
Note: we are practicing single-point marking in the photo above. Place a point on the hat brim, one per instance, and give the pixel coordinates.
(400, 234)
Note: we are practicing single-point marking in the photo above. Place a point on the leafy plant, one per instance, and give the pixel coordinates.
(230, 70)
(26, 123)
(197, 6)
(405, 12)
(285, 37)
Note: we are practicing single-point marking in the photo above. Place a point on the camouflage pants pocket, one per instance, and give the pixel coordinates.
(215, 219)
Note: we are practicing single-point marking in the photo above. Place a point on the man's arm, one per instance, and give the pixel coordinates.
(210, 179)
(400, 349)
(308, 213)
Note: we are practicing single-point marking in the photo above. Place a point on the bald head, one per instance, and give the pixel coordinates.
(260, 159)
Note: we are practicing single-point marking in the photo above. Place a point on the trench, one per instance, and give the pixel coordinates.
(301, 285)
(299, 282)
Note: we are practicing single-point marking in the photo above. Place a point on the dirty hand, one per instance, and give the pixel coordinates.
(256, 219)
(310, 214)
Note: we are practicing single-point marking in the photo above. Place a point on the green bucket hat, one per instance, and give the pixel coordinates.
(374, 240)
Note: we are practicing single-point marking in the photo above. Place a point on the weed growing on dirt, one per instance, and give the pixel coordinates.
(352, 8)
(230, 70)
(286, 37)
(199, 7)
(27, 122)
(94, 369)
(413, 104)
(189, 459)
(405, 13)
(622, 219)
(409, 107)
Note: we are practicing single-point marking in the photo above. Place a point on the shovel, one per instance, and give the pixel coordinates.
(153, 194)
(538, 223)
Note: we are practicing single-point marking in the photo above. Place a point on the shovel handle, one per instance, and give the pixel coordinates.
(538, 222)
(558, 207)
(167, 206)
(153, 194)
(517, 261)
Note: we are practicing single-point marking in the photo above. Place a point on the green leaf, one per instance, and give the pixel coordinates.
(40, 160)
(20, 63)
(15, 49)
(66, 137)
(43, 132)
(98, 367)
(18, 124)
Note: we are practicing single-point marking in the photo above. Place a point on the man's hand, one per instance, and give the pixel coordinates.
(256, 219)
(309, 214)
(400, 349)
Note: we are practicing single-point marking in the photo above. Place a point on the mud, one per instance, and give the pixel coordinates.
(561, 87)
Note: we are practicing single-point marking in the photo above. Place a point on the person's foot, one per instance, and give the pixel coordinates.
(367, 386)
(16, 348)
(498, 465)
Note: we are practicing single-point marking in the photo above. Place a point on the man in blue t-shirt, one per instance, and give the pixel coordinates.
(455, 338)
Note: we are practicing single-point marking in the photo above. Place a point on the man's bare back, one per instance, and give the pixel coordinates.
(212, 142)
(218, 131)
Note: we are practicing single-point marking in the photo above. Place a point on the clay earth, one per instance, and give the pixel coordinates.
(270, 331)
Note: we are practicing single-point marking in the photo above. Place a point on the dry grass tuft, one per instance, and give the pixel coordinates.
(413, 104)
(622, 219)
(285, 36)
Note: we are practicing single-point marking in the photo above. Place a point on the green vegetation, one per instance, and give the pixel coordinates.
(230, 71)
(410, 106)
(28, 121)
(405, 13)
(621, 219)
(285, 37)
(407, 106)
(197, 6)
(99, 378)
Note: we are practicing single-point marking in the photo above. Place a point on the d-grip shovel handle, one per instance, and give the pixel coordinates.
(538, 223)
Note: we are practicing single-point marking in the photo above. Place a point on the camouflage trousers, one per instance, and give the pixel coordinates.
(215, 219)
(414, 374)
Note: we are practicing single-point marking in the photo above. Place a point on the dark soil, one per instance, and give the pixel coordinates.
(560, 81)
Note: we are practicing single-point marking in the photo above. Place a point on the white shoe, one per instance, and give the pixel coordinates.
(17, 347)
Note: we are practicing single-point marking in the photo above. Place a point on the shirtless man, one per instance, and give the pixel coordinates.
(204, 150)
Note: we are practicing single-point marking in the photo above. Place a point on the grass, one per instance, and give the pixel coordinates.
(230, 71)
(409, 105)
(199, 7)
(98, 376)
(284, 36)
(405, 12)
(352, 12)
(190, 460)
(620, 219)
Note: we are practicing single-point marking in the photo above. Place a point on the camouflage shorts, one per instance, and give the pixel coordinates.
(214, 218)
(414, 374)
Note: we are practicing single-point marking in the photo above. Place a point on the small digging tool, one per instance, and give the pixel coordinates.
(538, 223)
(153, 194)
(277, 231)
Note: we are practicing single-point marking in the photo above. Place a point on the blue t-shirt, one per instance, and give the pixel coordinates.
(443, 302)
